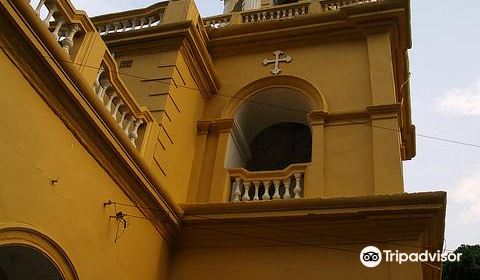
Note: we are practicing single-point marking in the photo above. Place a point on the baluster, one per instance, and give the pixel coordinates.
(142, 21)
(272, 15)
(252, 18)
(257, 188)
(39, 7)
(111, 96)
(298, 189)
(134, 23)
(236, 190)
(290, 13)
(125, 24)
(67, 42)
(259, 16)
(96, 83)
(130, 121)
(117, 105)
(104, 85)
(58, 24)
(276, 195)
(51, 10)
(266, 195)
(116, 26)
(151, 19)
(264, 15)
(246, 196)
(304, 10)
(123, 113)
(284, 13)
(278, 15)
(133, 136)
(286, 184)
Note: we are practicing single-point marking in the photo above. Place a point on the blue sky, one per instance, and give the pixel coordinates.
(445, 90)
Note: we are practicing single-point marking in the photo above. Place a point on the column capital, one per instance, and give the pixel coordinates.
(384, 111)
(317, 117)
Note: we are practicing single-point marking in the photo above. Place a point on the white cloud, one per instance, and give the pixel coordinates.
(467, 195)
(464, 101)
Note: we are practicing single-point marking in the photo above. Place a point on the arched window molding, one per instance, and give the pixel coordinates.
(15, 235)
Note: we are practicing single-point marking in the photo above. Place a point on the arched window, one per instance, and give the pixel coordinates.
(24, 263)
(272, 131)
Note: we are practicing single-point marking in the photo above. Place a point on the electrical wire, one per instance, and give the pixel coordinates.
(474, 145)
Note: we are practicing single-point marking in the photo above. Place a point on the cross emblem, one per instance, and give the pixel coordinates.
(276, 70)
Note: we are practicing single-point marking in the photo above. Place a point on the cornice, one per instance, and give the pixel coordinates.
(371, 112)
(348, 222)
(345, 24)
(435, 200)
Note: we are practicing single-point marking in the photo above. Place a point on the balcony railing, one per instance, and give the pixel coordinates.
(60, 21)
(334, 5)
(281, 12)
(130, 20)
(277, 13)
(268, 185)
(68, 28)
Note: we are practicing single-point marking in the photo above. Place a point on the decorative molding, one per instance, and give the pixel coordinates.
(203, 127)
(15, 234)
(276, 61)
(222, 125)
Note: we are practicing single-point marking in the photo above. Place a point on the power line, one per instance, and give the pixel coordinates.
(263, 103)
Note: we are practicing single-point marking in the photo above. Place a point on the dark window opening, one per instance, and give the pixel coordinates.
(279, 146)
(25, 263)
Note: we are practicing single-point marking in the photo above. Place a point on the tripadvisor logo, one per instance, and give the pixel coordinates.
(371, 256)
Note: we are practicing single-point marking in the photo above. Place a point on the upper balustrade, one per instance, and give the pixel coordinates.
(68, 28)
(131, 20)
(281, 12)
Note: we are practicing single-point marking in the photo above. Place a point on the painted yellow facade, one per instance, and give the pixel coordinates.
(128, 138)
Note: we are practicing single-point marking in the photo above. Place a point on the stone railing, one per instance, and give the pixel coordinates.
(60, 21)
(333, 5)
(288, 11)
(116, 100)
(68, 27)
(130, 20)
(281, 12)
(267, 185)
(217, 21)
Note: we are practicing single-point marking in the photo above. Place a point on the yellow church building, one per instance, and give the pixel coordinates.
(263, 143)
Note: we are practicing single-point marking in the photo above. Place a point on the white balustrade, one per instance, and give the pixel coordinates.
(336, 5)
(114, 104)
(285, 12)
(57, 23)
(134, 23)
(217, 21)
(246, 190)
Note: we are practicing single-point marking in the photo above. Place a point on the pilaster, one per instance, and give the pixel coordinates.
(315, 173)
(386, 144)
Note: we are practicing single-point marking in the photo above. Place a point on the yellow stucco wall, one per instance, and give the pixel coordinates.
(37, 148)
(288, 262)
